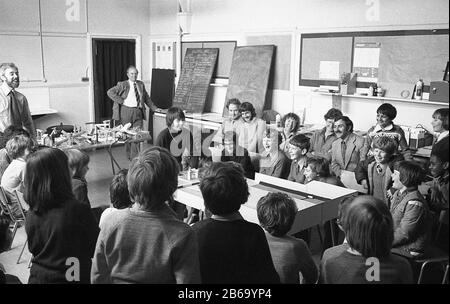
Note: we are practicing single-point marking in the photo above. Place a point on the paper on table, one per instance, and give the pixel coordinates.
(329, 70)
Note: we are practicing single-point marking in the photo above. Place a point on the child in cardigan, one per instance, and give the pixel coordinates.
(291, 256)
(385, 126)
(410, 211)
(118, 194)
(273, 161)
(367, 225)
(79, 166)
(298, 148)
(375, 173)
(231, 249)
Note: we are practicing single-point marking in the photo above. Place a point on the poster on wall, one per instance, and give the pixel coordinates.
(366, 61)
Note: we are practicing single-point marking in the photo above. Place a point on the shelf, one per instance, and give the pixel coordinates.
(42, 111)
(382, 99)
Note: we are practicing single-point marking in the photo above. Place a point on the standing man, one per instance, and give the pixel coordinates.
(130, 98)
(14, 108)
(346, 152)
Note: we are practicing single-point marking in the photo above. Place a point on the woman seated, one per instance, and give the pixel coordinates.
(251, 130)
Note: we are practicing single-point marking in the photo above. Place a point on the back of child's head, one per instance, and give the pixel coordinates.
(442, 114)
(18, 145)
(5, 233)
(368, 226)
(77, 161)
(320, 166)
(276, 213)
(174, 113)
(411, 173)
(118, 190)
(387, 109)
(224, 188)
(10, 132)
(386, 144)
(203, 165)
(301, 141)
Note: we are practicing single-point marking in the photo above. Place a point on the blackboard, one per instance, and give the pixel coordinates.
(249, 75)
(196, 74)
(163, 87)
(404, 57)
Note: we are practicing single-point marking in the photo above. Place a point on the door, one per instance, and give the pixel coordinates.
(111, 58)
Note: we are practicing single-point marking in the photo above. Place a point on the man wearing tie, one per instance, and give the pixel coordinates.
(130, 98)
(14, 108)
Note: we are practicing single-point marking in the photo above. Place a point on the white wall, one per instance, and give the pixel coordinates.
(66, 51)
(236, 19)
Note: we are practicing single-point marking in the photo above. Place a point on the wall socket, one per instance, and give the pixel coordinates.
(85, 79)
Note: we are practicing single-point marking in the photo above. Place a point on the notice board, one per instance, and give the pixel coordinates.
(196, 74)
(403, 57)
(249, 75)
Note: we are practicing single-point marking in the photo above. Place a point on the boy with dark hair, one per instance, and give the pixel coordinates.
(118, 194)
(231, 250)
(236, 153)
(291, 256)
(375, 173)
(298, 148)
(410, 210)
(322, 140)
(385, 126)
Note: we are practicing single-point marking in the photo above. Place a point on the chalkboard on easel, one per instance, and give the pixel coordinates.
(196, 74)
(249, 75)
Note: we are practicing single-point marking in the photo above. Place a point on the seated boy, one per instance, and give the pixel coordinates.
(385, 126)
(234, 152)
(118, 194)
(298, 148)
(231, 250)
(410, 211)
(291, 256)
(273, 161)
(375, 173)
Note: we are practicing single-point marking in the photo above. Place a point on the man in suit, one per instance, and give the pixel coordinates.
(14, 108)
(347, 151)
(130, 98)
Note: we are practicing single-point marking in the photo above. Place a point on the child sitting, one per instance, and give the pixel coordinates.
(440, 124)
(234, 152)
(385, 126)
(118, 194)
(298, 147)
(409, 210)
(291, 256)
(367, 225)
(78, 165)
(9, 133)
(375, 172)
(273, 161)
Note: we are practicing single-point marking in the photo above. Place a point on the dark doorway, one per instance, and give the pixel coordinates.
(111, 57)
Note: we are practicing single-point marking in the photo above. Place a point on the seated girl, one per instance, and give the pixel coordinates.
(365, 257)
(78, 164)
(440, 124)
(410, 211)
(251, 129)
(177, 139)
(291, 256)
(273, 161)
(234, 152)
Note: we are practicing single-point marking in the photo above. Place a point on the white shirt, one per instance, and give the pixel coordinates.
(5, 118)
(13, 176)
(131, 101)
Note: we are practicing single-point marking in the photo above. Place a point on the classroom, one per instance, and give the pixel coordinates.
(260, 141)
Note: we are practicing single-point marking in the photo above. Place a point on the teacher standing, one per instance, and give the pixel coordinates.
(14, 108)
(130, 98)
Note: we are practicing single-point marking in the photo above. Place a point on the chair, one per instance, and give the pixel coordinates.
(22, 203)
(6, 209)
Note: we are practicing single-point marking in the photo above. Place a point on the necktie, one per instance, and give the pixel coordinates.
(343, 149)
(14, 109)
(379, 169)
(136, 92)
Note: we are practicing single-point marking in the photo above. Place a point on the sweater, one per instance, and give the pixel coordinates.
(136, 246)
(393, 131)
(177, 144)
(80, 190)
(234, 252)
(338, 266)
(60, 233)
(277, 165)
(291, 256)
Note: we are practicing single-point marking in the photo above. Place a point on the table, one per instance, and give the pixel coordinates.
(316, 202)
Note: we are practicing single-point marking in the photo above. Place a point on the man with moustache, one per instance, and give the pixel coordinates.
(14, 108)
(347, 151)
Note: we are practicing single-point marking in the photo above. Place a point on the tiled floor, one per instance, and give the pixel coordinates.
(98, 177)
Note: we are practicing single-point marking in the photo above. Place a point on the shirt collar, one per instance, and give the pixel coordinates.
(379, 128)
(131, 82)
(442, 135)
(228, 217)
(5, 88)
